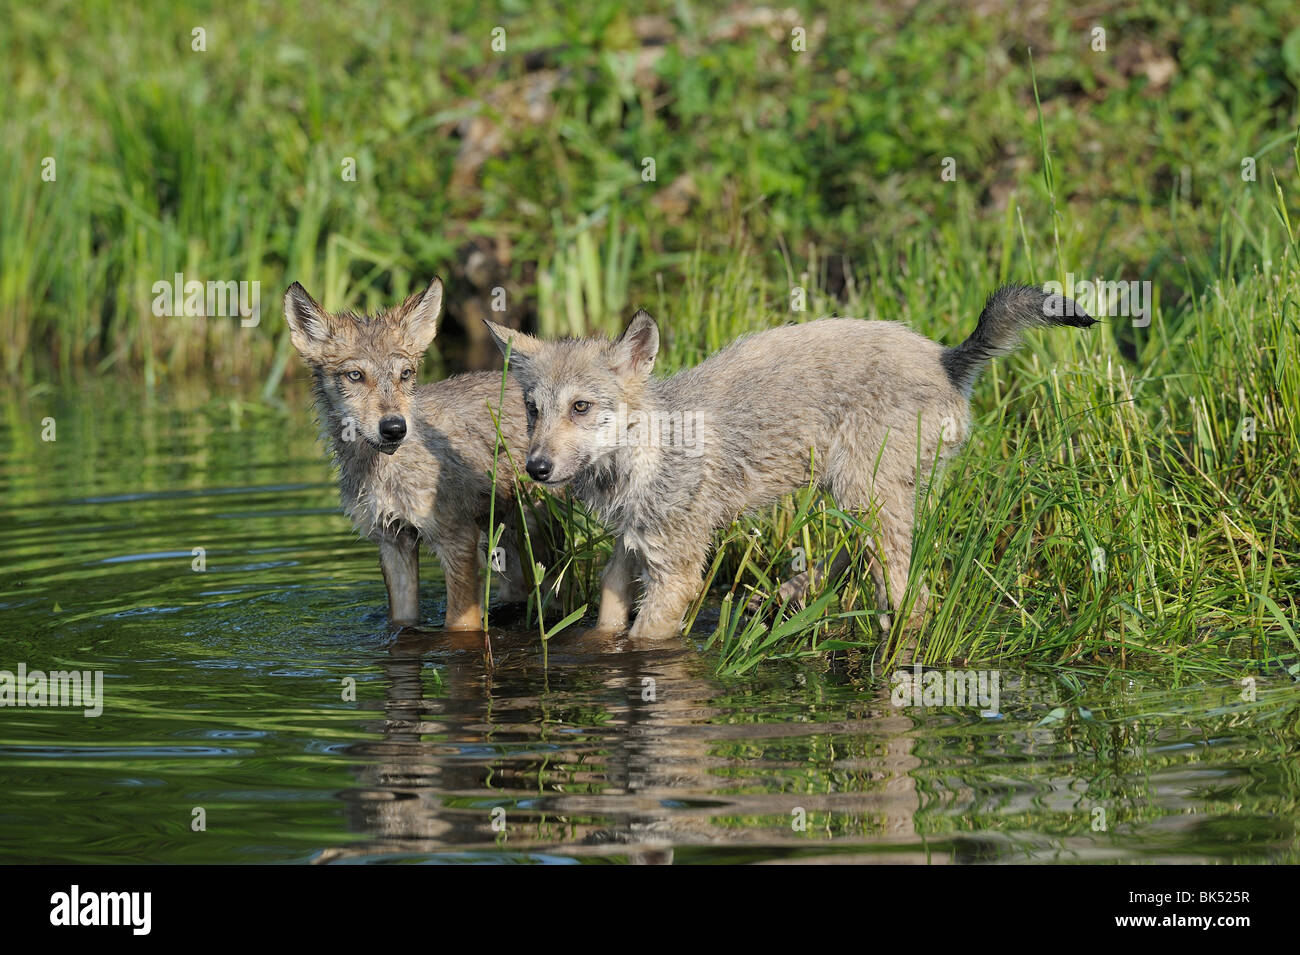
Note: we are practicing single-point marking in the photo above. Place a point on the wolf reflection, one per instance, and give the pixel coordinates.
(610, 751)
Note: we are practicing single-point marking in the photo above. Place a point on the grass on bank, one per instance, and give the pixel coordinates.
(229, 163)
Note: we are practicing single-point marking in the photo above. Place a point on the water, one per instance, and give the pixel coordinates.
(224, 702)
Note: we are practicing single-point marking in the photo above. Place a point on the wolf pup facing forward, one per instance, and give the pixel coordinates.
(415, 462)
(666, 462)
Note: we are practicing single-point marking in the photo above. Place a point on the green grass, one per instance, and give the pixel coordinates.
(774, 170)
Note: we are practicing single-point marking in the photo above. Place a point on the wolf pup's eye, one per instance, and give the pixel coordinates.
(354, 376)
(581, 407)
(531, 408)
(406, 374)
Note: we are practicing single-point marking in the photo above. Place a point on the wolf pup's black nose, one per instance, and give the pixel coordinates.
(539, 469)
(392, 427)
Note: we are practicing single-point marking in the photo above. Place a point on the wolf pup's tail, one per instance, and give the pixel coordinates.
(1008, 312)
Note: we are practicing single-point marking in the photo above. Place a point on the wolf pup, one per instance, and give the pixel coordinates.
(666, 462)
(415, 461)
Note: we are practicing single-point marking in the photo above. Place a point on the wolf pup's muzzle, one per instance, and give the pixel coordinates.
(392, 429)
(539, 467)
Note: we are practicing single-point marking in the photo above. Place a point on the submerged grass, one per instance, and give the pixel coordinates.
(1127, 498)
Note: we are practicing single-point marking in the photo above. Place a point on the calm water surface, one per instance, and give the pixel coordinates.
(225, 692)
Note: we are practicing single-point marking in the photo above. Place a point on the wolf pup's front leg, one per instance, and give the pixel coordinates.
(673, 578)
(616, 590)
(399, 559)
(667, 597)
(457, 548)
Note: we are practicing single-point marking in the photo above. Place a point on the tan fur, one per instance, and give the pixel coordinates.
(433, 485)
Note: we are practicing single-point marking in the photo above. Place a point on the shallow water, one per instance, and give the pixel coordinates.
(224, 693)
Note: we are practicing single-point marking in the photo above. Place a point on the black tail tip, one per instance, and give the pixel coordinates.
(1060, 309)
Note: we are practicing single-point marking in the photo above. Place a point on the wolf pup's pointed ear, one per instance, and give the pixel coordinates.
(420, 316)
(309, 325)
(522, 347)
(634, 352)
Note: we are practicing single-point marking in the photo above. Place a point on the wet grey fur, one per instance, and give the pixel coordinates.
(434, 486)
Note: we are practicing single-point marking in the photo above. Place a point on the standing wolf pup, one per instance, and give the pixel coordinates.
(415, 462)
(666, 462)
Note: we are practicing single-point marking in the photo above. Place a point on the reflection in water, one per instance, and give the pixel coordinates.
(605, 750)
(641, 755)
